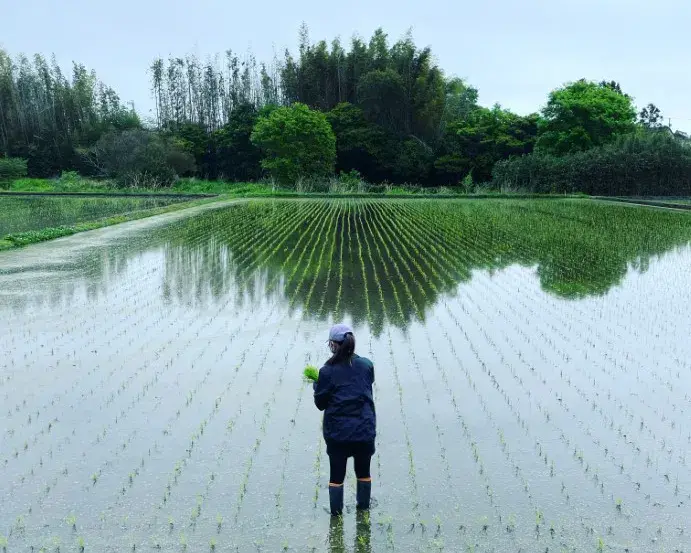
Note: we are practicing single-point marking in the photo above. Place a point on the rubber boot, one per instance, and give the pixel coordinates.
(336, 500)
(364, 490)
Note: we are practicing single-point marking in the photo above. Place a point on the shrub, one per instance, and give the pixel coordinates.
(297, 143)
(11, 168)
(651, 163)
(141, 158)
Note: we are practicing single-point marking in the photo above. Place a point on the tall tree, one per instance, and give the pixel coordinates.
(650, 117)
(582, 115)
(46, 117)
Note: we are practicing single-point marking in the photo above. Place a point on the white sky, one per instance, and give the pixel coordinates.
(513, 51)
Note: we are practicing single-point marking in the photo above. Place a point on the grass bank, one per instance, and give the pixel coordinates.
(330, 187)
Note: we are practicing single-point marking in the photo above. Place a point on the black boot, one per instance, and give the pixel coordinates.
(336, 500)
(364, 490)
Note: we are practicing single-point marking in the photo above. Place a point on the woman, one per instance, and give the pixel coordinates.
(344, 392)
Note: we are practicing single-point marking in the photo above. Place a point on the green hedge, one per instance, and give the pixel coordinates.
(647, 164)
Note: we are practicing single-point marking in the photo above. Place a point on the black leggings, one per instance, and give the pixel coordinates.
(361, 452)
(337, 465)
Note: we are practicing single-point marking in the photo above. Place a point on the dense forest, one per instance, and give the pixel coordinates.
(373, 110)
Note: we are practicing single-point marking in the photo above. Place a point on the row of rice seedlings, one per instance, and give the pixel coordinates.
(393, 240)
(470, 439)
(314, 268)
(581, 458)
(307, 234)
(330, 258)
(345, 232)
(50, 485)
(110, 459)
(412, 472)
(54, 380)
(385, 241)
(275, 236)
(98, 472)
(538, 509)
(615, 319)
(285, 448)
(183, 462)
(625, 435)
(249, 463)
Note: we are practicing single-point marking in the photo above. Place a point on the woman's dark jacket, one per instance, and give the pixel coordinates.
(344, 392)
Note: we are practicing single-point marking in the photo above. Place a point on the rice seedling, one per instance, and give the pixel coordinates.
(311, 373)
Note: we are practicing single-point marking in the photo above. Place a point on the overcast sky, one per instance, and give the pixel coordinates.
(513, 51)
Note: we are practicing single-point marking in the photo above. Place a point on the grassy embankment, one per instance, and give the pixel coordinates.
(331, 187)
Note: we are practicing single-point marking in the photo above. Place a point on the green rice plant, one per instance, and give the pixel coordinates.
(212, 544)
(311, 373)
(81, 544)
(71, 520)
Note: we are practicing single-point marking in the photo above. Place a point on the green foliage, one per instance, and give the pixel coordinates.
(296, 142)
(360, 144)
(11, 168)
(650, 117)
(311, 373)
(141, 158)
(584, 115)
(475, 144)
(414, 162)
(638, 164)
(46, 117)
(236, 157)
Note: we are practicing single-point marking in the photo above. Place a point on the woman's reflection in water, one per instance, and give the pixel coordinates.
(363, 534)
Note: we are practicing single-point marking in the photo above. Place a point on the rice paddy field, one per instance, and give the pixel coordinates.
(27, 213)
(533, 384)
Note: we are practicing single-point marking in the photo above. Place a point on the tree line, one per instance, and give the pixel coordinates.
(385, 112)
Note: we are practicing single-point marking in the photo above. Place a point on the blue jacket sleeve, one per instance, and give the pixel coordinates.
(322, 390)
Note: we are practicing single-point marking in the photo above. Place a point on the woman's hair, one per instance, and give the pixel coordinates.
(344, 350)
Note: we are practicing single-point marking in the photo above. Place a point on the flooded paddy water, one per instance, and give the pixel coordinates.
(532, 358)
